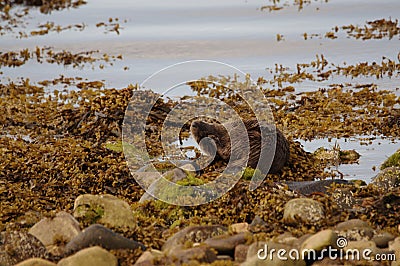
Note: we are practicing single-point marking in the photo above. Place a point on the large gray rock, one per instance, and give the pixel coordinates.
(193, 234)
(56, 232)
(303, 210)
(98, 235)
(90, 256)
(105, 209)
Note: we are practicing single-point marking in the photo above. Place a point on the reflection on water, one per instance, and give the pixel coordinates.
(155, 34)
(159, 33)
(373, 153)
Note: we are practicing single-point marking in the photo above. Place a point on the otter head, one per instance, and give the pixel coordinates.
(211, 137)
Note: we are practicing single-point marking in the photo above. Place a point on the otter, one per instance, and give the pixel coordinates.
(214, 140)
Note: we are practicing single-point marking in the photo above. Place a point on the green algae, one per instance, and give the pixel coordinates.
(393, 160)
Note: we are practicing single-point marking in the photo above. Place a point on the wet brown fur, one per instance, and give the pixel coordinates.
(219, 133)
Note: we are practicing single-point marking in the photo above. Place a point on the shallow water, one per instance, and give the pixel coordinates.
(158, 33)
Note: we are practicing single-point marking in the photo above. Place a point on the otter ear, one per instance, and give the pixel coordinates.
(216, 140)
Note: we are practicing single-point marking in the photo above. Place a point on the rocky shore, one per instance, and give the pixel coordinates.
(306, 228)
(68, 198)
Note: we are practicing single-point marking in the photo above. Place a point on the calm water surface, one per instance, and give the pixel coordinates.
(158, 33)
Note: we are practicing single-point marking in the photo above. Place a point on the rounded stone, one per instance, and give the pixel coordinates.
(351, 224)
(90, 256)
(344, 198)
(193, 234)
(174, 175)
(320, 240)
(355, 230)
(225, 244)
(105, 209)
(271, 254)
(201, 254)
(395, 247)
(241, 253)
(98, 235)
(149, 256)
(36, 262)
(361, 245)
(239, 227)
(387, 179)
(53, 231)
(286, 238)
(303, 210)
(382, 240)
(17, 246)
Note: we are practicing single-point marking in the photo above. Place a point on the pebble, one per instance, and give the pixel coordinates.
(258, 225)
(189, 167)
(19, 246)
(241, 253)
(224, 257)
(320, 240)
(90, 256)
(173, 175)
(148, 256)
(344, 198)
(202, 254)
(194, 234)
(259, 253)
(239, 228)
(105, 209)
(382, 240)
(98, 235)
(286, 238)
(36, 262)
(351, 224)
(225, 244)
(55, 232)
(361, 245)
(355, 230)
(395, 246)
(303, 210)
